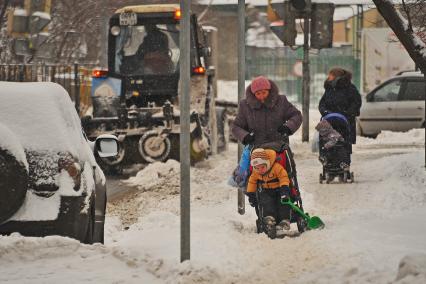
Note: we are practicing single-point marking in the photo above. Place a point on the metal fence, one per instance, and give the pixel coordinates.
(285, 68)
(76, 79)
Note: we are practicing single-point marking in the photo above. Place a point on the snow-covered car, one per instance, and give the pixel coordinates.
(398, 104)
(50, 183)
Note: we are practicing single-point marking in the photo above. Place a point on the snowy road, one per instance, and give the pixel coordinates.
(370, 226)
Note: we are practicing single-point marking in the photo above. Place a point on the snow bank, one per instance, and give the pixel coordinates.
(159, 177)
(412, 269)
(411, 137)
(373, 226)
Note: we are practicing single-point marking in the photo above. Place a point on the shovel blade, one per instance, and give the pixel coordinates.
(315, 223)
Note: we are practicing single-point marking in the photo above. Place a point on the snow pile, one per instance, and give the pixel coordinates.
(412, 269)
(156, 187)
(159, 177)
(411, 137)
(373, 226)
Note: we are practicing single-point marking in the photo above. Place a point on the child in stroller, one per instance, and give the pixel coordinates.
(267, 201)
(334, 148)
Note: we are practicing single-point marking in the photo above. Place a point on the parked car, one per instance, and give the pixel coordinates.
(50, 183)
(398, 104)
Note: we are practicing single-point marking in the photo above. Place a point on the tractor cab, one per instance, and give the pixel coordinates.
(143, 51)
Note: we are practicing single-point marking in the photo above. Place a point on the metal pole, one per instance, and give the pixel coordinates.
(424, 74)
(185, 93)
(241, 83)
(306, 80)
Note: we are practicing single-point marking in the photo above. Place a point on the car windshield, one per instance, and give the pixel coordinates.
(150, 49)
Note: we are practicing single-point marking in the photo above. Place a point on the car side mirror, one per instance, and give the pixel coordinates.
(106, 145)
(370, 97)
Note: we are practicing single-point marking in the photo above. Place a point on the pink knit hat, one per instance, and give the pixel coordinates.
(260, 83)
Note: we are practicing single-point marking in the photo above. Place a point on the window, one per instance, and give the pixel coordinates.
(148, 49)
(388, 92)
(415, 91)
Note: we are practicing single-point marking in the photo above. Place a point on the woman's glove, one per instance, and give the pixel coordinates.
(249, 139)
(284, 130)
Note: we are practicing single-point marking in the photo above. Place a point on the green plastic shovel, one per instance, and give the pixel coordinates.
(314, 222)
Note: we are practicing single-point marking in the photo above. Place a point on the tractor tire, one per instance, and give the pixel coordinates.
(153, 150)
(13, 184)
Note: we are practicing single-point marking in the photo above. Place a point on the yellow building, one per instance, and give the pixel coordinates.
(347, 21)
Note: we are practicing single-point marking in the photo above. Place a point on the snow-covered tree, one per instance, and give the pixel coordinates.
(403, 26)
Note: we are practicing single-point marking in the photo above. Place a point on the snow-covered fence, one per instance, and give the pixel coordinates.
(76, 79)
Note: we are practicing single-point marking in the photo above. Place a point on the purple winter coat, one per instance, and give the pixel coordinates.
(264, 119)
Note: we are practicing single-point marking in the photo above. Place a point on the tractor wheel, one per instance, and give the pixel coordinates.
(154, 148)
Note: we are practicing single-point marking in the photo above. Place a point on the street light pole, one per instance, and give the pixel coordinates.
(241, 83)
(306, 80)
(185, 93)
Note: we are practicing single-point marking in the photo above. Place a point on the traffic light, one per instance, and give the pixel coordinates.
(320, 14)
(38, 21)
(322, 25)
(28, 26)
(284, 29)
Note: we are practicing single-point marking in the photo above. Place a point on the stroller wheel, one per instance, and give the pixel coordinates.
(259, 227)
(302, 225)
(321, 178)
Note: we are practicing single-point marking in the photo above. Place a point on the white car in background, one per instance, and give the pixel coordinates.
(50, 183)
(398, 104)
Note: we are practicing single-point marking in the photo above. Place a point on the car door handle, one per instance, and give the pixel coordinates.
(389, 108)
(419, 108)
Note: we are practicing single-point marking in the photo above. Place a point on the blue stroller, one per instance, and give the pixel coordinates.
(335, 149)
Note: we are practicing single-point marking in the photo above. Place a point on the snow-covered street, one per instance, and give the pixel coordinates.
(370, 226)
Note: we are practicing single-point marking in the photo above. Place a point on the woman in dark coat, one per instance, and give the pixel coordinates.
(264, 115)
(263, 118)
(341, 96)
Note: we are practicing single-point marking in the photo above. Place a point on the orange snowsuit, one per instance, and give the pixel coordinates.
(274, 178)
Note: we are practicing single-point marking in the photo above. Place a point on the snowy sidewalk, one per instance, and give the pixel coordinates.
(370, 226)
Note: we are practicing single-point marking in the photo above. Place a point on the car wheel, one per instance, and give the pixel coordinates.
(13, 184)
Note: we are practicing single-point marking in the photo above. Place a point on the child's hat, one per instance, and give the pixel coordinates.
(258, 157)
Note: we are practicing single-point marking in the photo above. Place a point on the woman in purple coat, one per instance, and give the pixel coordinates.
(264, 116)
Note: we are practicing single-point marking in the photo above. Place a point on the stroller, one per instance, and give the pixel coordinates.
(335, 149)
(285, 158)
